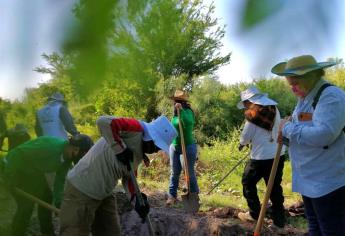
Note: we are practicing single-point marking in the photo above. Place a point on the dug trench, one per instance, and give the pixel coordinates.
(175, 221)
(165, 221)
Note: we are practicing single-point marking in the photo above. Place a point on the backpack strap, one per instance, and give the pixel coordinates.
(317, 97)
(319, 92)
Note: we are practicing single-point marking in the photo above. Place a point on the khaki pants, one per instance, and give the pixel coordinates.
(80, 215)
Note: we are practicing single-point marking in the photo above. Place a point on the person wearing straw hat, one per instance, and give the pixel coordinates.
(89, 202)
(316, 143)
(261, 132)
(54, 119)
(180, 99)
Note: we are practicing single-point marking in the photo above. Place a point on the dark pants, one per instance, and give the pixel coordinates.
(326, 214)
(37, 186)
(253, 172)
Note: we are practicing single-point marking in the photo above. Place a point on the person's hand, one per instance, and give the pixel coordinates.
(281, 126)
(283, 122)
(142, 209)
(178, 106)
(125, 157)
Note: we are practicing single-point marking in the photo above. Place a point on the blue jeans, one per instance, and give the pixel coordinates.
(176, 168)
(326, 214)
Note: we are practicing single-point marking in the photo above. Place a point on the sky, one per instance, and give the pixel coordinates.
(30, 28)
(27, 30)
(297, 27)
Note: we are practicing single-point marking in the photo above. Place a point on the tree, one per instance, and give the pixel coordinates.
(58, 67)
(174, 37)
(141, 44)
(165, 40)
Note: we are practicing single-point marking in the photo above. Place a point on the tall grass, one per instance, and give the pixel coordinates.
(215, 161)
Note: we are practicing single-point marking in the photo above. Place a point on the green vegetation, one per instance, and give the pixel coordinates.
(128, 59)
(214, 163)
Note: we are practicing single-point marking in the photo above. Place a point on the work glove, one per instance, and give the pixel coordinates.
(125, 157)
(144, 209)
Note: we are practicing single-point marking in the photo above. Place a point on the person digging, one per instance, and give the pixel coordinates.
(25, 167)
(89, 203)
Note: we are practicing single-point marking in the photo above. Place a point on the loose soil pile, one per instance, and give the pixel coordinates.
(175, 222)
(166, 221)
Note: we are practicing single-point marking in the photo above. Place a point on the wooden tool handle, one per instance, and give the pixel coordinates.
(37, 200)
(268, 190)
(184, 153)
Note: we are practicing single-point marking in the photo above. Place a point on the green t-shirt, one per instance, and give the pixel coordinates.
(37, 157)
(188, 122)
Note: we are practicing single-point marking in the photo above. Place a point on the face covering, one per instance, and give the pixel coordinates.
(298, 91)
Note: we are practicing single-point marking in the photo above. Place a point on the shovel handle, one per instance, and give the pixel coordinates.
(184, 153)
(268, 190)
(232, 169)
(37, 200)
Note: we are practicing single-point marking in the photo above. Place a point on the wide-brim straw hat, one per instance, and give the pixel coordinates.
(253, 95)
(300, 65)
(180, 96)
(161, 132)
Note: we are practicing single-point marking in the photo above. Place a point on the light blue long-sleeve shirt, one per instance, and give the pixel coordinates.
(317, 171)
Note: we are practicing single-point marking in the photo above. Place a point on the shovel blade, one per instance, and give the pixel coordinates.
(191, 202)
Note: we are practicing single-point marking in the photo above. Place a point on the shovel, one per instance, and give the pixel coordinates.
(190, 200)
(140, 199)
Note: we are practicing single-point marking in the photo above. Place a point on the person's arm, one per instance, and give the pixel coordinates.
(67, 121)
(128, 186)
(59, 183)
(111, 127)
(38, 128)
(187, 117)
(327, 122)
(247, 133)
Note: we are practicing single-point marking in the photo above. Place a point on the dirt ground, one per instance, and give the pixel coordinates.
(175, 222)
(165, 221)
